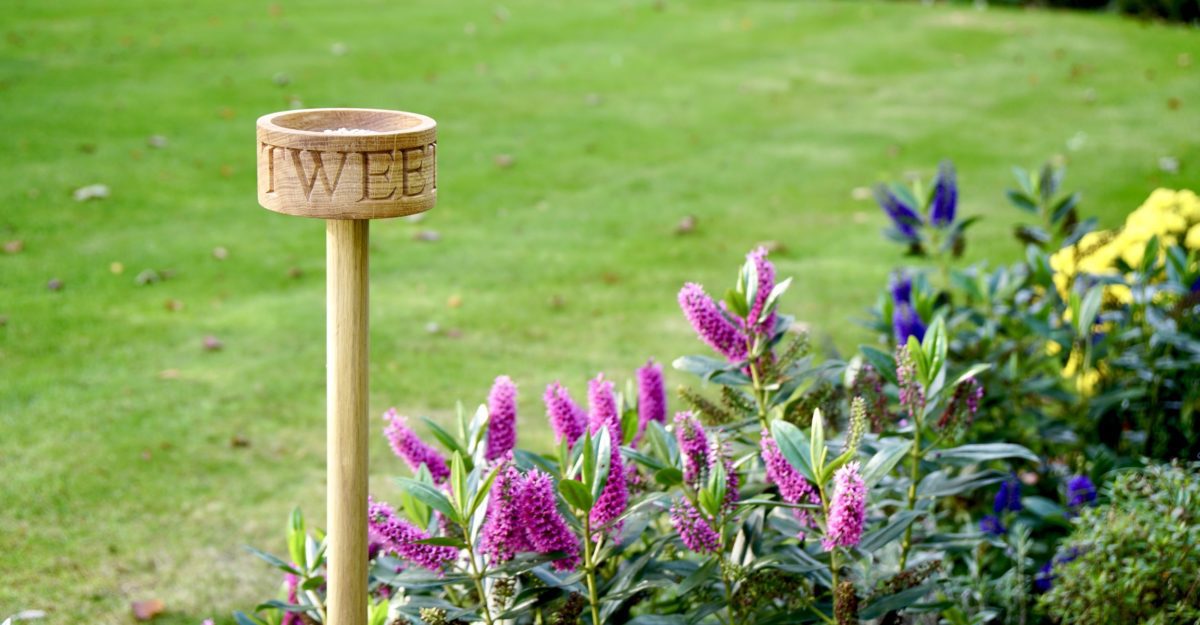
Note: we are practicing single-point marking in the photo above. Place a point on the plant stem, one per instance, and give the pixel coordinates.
(477, 577)
(914, 475)
(729, 606)
(316, 601)
(589, 568)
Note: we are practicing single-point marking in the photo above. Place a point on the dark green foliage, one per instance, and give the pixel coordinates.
(1137, 557)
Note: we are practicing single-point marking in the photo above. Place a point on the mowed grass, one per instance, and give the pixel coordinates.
(119, 479)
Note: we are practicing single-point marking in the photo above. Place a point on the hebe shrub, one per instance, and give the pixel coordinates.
(1134, 559)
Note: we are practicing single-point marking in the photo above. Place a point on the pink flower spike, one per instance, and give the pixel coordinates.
(848, 510)
(502, 418)
(711, 324)
(415, 452)
(566, 417)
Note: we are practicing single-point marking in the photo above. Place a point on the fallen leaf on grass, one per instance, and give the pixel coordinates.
(237, 441)
(55, 284)
(91, 191)
(220, 253)
(157, 142)
(295, 272)
(146, 610)
(427, 235)
(169, 374)
(686, 225)
(1174, 104)
(147, 276)
(504, 161)
(212, 344)
(116, 267)
(454, 301)
(173, 305)
(13, 247)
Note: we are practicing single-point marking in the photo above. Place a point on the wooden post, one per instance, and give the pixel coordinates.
(346, 388)
(347, 166)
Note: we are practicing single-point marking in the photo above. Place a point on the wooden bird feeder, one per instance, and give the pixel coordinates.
(347, 166)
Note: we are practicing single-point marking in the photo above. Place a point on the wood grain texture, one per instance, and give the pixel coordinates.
(346, 388)
(306, 172)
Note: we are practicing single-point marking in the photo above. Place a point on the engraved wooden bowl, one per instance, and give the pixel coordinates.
(344, 163)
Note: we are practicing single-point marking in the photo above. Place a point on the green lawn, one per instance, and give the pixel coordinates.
(118, 477)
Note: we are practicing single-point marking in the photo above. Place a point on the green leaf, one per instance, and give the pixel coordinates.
(816, 442)
(1063, 207)
(296, 538)
(1022, 201)
(1043, 508)
(750, 281)
(458, 483)
(414, 509)
(274, 561)
(794, 448)
(773, 300)
(1089, 307)
(717, 485)
(874, 540)
(708, 501)
(444, 437)
(898, 601)
(443, 541)
(736, 303)
(884, 363)
(669, 476)
(430, 496)
(603, 443)
(576, 495)
(482, 491)
(974, 454)
(245, 619)
(974, 371)
(884, 461)
(934, 346)
(711, 369)
(936, 484)
(702, 574)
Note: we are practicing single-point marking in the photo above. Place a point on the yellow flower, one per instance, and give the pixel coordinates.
(1086, 383)
(1192, 242)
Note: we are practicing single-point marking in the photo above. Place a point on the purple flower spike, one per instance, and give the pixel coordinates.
(848, 510)
(992, 525)
(652, 397)
(766, 282)
(602, 408)
(711, 324)
(904, 217)
(792, 486)
(945, 197)
(406, 444)
(504, 532)
(400, 538)
(905, 323)
(614, 498)
(1080, 491)
(693, 446)
(901, 288)
(547, 530)
(1008, 497)
(566, 418)
(502, 418)
(694, 528)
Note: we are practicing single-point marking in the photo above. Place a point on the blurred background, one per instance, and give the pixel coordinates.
(162, 337)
